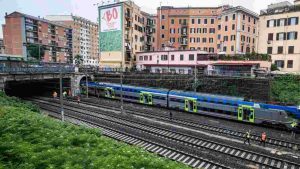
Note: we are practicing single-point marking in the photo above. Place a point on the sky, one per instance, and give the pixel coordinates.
(88, 8)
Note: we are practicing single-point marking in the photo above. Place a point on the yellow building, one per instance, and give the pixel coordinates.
(278, 35)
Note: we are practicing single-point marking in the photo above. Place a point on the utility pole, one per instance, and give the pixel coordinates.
(195, 76)
(86, 83)
(121, 79)
(61, 93)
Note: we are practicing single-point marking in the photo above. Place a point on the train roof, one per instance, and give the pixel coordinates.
(197, 94)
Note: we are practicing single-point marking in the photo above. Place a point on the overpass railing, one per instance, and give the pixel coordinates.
(37, 70)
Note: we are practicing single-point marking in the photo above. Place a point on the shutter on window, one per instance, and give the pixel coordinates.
(296, 35)
(289, 21)
(288, 36)
(268, 24)
(284, 36)
(277, 36)
(278, 22)
(297, 20)
(285, 22)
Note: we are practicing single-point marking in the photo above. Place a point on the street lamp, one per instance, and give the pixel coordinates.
(61, 92)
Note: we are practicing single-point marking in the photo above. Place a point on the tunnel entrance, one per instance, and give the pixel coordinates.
(24, 89)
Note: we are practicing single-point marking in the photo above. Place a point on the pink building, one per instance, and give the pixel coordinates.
(184, 62)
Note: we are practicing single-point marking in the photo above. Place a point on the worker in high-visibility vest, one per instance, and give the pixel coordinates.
(294, 125)
(248, 136)
(263, 138)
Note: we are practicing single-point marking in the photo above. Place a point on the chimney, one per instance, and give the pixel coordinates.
(297, 2)
(5, 13)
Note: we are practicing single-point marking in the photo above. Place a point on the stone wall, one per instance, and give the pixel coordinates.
(249, 88)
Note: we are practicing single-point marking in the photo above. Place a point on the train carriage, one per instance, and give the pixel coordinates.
(234, 108)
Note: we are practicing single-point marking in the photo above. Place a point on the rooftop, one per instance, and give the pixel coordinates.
(19, 14)
(281, 7)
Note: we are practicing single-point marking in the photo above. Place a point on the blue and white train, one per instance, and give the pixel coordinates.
(233, 108)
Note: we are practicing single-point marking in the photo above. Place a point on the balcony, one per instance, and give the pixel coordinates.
(184, 42)
(184, 25)
(127, 16)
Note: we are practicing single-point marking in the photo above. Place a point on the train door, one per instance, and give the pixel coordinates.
(246, 113)
(190, 105)
(109, 92)
(146, 98)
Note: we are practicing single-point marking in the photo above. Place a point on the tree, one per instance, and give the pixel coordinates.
(78, 60)
(274, 67)
(35, 51)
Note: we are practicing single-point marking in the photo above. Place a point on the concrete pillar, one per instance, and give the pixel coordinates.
(2, 84)
(75, 86)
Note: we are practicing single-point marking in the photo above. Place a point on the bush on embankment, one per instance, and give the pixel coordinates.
(286, 89)
(30, 140)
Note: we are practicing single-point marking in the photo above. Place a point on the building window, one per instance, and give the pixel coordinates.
(249, 19)
(232, 48)
(211, 50)
(146, 57)
(212, 30)
(233, 27)
(226, 18)
(172, 21)
(225, 38)
(291, 49)
(172, 57)
(164, 57)
(203, 40)
(244, 17)
(141, 58)
(150, 57)
(211, 40)
(270, 23)
(292, 35)
(162, 35)
(219, 36)
(254, 21)
(219, 27)
(233, 17)
(204, 30)
(212, 21)
(290, 64)
(232, 38)
(281, 36)
(181, 57)
(163, 27)
(193, 21)
(280, 49)
(205, 21)
(191, 57)
(248, 29)
(162, 16)
(270, 36)
(270, 50)
(224, 49)
(254, 31)
(226, 28)
(279, 63)
(243, 27)
(199, 21)
(293, 21)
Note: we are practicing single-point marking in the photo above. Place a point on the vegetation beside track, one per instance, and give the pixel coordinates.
(30, 140)
(286, 89)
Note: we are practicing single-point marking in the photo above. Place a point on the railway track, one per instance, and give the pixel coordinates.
(224, 131)
(190, 142)
(134, 138)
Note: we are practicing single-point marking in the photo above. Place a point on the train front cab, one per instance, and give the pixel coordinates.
(109, 92)
(146, 98)
(190, 105)
(246, 113)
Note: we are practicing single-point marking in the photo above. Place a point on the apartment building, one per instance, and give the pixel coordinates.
(124, 30)
(279, 28)
(85, 37)
(1, 46)
(224, 29)
(21, 32)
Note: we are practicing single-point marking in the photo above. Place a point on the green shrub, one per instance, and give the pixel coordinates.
(31, 140)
